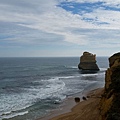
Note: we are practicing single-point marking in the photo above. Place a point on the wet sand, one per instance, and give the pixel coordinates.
(84, 110)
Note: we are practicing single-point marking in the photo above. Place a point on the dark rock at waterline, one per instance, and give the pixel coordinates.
(77, 99)
(88, 62)
(84, 98)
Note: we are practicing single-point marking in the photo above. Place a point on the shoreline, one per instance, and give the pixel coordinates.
(66, 105)
(70, 108)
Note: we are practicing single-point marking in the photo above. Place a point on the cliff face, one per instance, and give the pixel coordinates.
(88, 62)
(110, 102)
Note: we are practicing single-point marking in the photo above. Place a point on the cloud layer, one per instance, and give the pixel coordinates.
(47, 26)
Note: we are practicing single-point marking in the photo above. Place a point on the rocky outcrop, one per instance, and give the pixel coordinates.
(110, 102)
(113, 58)
(88, 62)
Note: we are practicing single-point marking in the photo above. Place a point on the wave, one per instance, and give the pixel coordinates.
(63, 77)
(103, 69)
(16, 102)
(67, 77)
(85, 75)
(54, 85)
(12, 114)
(101, 72)
(74, 67)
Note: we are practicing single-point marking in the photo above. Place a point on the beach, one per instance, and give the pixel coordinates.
(84, 110)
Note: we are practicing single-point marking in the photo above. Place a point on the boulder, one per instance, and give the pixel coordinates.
(84, 98)
(77, 99)
(88, 62)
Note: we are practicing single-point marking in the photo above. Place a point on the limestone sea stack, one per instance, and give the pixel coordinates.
(88, 62)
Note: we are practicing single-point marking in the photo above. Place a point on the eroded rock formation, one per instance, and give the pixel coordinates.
(110, 102)
(88, 62)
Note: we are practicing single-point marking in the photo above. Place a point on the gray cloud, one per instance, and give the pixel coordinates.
(108, 38)
(13, 33)
(27, 6)
(41, 22)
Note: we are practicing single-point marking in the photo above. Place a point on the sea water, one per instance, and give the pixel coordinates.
(31, 87)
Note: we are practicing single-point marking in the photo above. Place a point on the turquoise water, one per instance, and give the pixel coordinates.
(31, 87)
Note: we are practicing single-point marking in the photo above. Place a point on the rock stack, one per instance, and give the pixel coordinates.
(88, 62)
(110, 102)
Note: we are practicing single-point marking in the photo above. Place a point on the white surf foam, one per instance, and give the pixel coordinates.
(71, 67)
(67, 77)
(85, 75)
(13, 114)
(54, 87)
(17, 102)
(103, 69)
(94, 74)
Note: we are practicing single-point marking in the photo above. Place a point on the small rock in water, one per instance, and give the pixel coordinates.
(77, 99)
(56, 102)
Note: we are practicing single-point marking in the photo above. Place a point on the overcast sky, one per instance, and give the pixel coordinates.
(41, 28)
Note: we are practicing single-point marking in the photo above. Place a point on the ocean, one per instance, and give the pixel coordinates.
(31, 88)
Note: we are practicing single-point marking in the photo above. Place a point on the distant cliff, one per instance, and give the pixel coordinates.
(110, 102)
(88, 62)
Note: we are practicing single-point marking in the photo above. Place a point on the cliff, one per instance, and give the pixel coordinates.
(110, 101)
(88, 62)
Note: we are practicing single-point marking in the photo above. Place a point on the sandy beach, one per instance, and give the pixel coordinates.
(84, 110)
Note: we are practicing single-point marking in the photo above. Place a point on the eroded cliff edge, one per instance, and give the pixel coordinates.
(110, 101)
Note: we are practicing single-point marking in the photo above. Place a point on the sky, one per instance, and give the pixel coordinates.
(59, 28)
